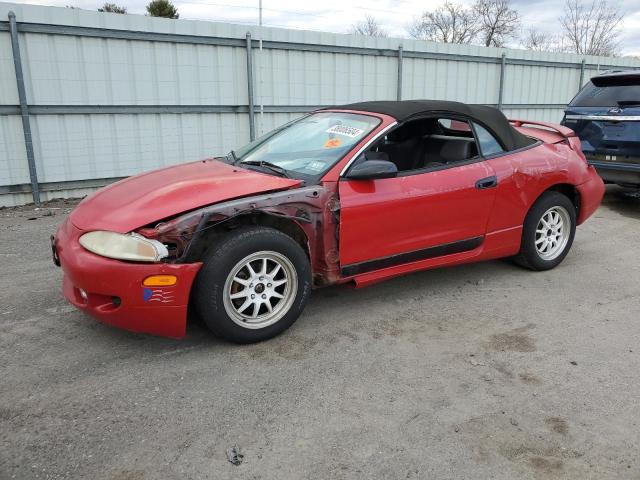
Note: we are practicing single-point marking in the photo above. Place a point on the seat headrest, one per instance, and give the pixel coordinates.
(456, 150)
(377, 156)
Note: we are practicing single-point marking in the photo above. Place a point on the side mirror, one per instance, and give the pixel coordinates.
(373, 169)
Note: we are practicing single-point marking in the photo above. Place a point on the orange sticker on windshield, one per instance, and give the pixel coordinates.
(333, 143)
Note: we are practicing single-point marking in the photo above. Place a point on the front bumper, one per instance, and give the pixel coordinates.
(616, 172)
(112, 291)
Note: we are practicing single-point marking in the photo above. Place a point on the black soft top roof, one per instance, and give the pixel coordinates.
(491, 118)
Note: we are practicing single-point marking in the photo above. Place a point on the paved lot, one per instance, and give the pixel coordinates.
(481, 371)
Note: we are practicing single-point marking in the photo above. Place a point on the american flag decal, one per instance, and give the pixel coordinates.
(157, 295)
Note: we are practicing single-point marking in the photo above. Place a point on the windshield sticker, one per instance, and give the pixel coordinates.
(346, 130)
(333, 143)
(315, 166)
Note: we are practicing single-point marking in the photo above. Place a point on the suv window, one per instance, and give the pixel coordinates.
(609, 96)
(488, 143)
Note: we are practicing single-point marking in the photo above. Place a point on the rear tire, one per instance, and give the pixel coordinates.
(254, 284)
(547, 233)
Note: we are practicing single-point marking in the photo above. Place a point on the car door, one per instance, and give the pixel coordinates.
(419, 214)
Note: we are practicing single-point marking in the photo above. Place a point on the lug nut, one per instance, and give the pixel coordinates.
(269, 285)
(264, 296)
(253, 296)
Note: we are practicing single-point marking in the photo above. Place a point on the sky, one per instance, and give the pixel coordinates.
(338, 16)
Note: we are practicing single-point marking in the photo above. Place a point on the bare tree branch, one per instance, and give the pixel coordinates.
(498, 21)
(450, 23)
(591, 29)
(369, 26)
(539, 41)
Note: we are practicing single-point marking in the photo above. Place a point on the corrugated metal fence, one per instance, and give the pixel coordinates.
(88, 97)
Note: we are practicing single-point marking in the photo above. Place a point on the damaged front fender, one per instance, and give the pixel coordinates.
(308, 214)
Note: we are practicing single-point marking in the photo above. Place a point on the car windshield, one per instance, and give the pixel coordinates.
(310, 146)
(607, 96)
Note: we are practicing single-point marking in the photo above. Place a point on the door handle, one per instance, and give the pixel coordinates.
(487, 182)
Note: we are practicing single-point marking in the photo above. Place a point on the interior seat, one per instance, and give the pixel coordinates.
(405, 145)
(457, 150)
(405, 153)
(441, 150)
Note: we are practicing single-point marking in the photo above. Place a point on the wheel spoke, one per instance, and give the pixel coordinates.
(256, 308)
(277, 283)
(276, 295)
(245, 305)
(241, 281)
(540, 240)
(275, 270)
(241, 294)
(264, 267)
(252, 272)
(269, 306)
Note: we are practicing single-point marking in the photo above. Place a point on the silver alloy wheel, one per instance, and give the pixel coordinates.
(552, 232)
(260, 289)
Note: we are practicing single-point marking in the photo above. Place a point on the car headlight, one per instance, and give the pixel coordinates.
(129, 246)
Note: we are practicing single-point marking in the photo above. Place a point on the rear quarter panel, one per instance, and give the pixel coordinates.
(524, 175)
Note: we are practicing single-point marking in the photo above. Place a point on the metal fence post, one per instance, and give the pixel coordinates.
(24, 109)
(501, 88)
(399, 92)
(582, 66)
(252, 119)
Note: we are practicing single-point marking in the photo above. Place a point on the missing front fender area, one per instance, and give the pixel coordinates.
(309, 215)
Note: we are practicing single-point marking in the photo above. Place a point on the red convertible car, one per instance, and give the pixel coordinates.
(358, 193)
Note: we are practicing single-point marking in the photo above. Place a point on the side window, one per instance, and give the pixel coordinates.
(455, 126)
(488, 143)
(427, 143)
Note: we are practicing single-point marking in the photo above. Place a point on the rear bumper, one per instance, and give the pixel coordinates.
(591, 193)
(622, 173)
(112, 291)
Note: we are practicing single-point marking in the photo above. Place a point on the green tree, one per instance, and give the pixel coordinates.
(112, 8)
(162, 8)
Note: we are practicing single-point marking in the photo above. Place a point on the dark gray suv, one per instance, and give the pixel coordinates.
(605, 114)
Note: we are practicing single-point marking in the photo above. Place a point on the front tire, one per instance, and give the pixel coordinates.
(254, 284)
(548, 232)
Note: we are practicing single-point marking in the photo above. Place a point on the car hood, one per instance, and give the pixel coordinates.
(160, 194)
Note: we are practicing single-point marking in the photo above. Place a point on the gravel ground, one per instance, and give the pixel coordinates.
(478, 371)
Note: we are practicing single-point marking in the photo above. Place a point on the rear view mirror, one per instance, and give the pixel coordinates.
(373, 169)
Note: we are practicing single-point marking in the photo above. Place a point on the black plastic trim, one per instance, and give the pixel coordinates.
(626, 167)
(401, 258)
